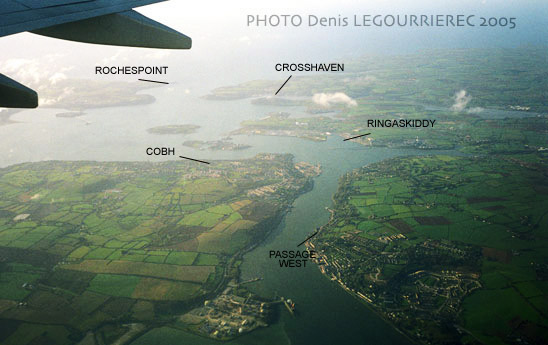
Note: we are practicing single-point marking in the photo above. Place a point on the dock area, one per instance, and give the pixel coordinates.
(251, 280)
(290, 305)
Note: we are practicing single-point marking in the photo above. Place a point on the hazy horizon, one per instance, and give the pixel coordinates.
(226, 51)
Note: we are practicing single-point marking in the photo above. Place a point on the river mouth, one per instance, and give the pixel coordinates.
(325, 313)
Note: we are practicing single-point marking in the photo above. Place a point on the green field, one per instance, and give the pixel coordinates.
(114, 285)
(84, 244)
(451, 249)
(420, 86)
(450, 240)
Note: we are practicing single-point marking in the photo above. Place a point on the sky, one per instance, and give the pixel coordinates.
(225, 50)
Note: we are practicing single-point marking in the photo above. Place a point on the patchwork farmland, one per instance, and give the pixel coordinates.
(83, 244)
(449, 249)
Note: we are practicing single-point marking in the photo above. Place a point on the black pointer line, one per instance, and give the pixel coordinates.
(196, 160)
(314, 234)
(154, 81)
(357, 136)
(283, 85)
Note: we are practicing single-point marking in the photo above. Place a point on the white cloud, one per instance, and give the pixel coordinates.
(67, 91)
(366, 78)
(127, 55)
(461, 100)
(245, 40)
(57, 77)
(329, 99)
(42, 74)
(119, 56)
(474, 110)
(24, 70)
(39, 72)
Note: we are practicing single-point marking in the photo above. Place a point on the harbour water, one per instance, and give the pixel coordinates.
(326, 314)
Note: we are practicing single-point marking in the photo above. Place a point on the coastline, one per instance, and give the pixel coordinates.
(268, 226)
(370, 306)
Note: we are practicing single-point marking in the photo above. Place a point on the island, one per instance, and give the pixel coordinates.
(80, 94)
(251, 89)
(174, 129)
(480, 91)
(105, 251)
(489, 78)
(216, 145)
(280, 101)
(448, 248)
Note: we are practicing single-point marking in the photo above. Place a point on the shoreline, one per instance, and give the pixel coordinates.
(272, 224)
(370, 306)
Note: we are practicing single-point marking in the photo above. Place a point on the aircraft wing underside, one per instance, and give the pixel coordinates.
(111, 22)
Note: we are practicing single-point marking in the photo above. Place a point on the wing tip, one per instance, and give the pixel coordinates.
(128, 28)
(16, 95)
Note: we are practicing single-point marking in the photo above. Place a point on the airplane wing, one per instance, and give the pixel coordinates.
(112, 22)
